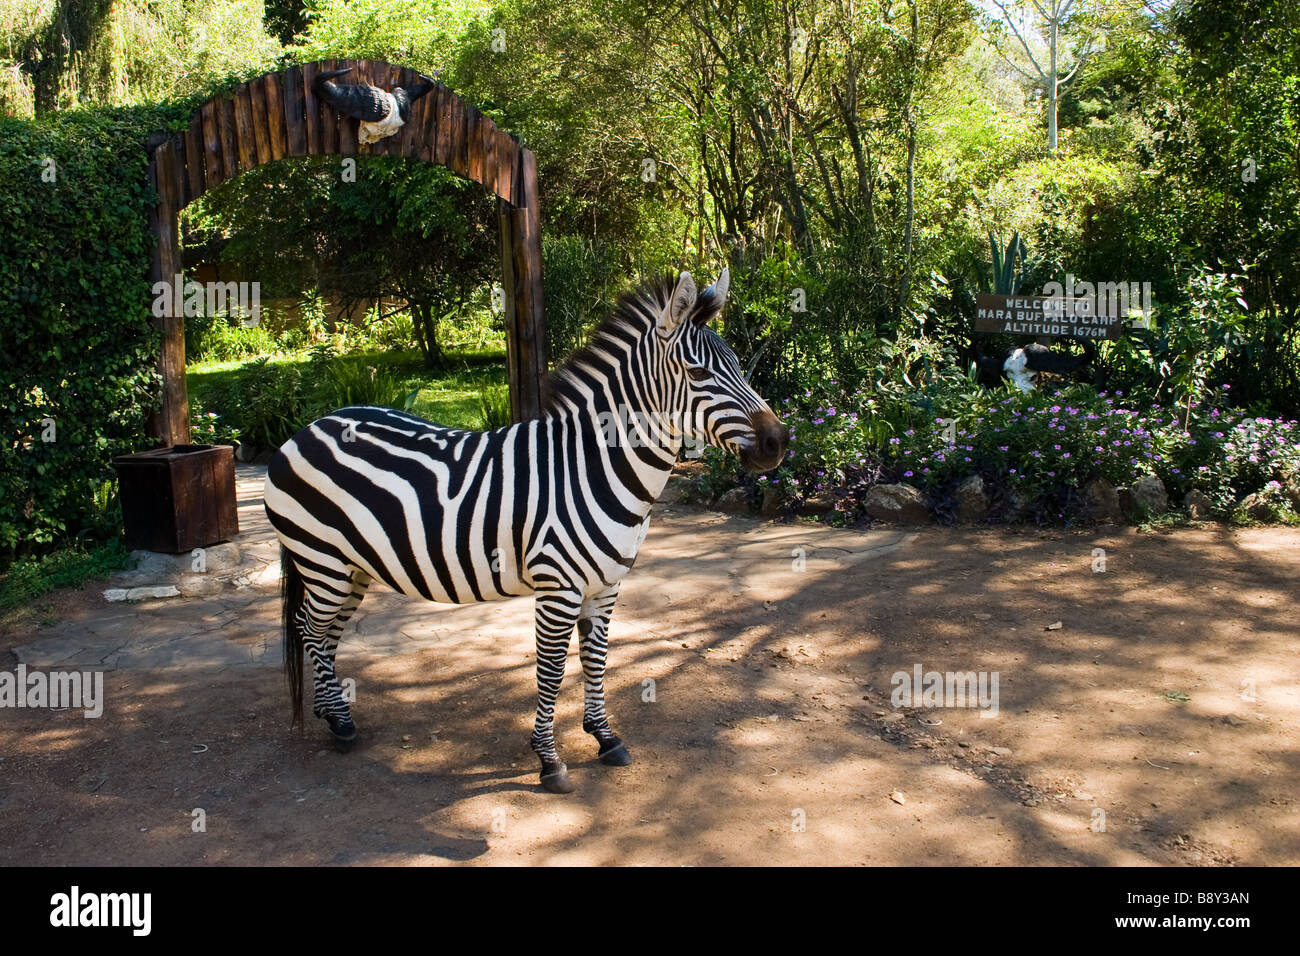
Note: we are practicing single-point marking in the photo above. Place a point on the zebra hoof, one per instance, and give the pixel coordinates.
(344, 733)
(615, 754)
(557, 780)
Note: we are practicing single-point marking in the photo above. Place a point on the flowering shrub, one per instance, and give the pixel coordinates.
(1272, 501)
(1037, 449)
(207, 428)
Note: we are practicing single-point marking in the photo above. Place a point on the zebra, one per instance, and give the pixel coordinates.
(556, 506)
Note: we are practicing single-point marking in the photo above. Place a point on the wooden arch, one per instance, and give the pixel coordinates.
(277, 116)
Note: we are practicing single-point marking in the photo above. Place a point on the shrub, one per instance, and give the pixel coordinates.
(31, 577)
(209, 428)
(581, 281)
(217, 339)
(80, 345)
(346, 381)
(494, 406)
(1042, 447)
(266, 400)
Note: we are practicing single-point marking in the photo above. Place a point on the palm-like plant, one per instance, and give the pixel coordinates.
(1003, 276)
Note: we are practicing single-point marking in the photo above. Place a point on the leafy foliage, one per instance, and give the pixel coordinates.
(74, 317)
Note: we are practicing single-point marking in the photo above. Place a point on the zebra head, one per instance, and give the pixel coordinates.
(702, 382)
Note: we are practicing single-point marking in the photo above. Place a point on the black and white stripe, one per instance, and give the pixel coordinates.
(557, 506)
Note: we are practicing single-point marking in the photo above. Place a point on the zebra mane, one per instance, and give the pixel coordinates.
(629, 319)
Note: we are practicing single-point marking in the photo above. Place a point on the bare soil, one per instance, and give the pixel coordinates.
(1158, 724)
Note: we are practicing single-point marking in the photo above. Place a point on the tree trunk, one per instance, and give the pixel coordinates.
(1051, 87)
(426, 334)
(909, 118)
(905, 285)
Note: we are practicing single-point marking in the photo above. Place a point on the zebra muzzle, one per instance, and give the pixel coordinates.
(771, 438)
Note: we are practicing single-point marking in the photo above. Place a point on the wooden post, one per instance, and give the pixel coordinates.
(521, 254)
(170, 425)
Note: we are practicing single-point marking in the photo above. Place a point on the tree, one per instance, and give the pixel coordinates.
(66, 53)
(1061, 31)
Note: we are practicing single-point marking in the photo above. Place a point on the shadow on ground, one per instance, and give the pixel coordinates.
(751, 675)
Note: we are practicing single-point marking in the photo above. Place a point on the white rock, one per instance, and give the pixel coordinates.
(150, 593)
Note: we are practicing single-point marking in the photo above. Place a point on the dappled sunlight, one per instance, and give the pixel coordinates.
(754, 693)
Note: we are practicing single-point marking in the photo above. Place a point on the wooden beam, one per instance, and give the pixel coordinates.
(226, 129)
(295, 122)
(244, 135)
(428, 137)
(310, 110)
(271, 84)
(506, 162)
(347, 127)
(457, 148)
(212, 163)
(194, 157)
(442, 149)
(475, 145)
(261, 134)
(329, 119)
(408, 139)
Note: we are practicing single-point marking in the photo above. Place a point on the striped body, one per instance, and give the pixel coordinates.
(455, 516)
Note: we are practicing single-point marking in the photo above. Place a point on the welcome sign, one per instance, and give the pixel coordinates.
(1079, 317)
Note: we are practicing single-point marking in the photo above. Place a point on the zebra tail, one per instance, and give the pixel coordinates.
(292, 595)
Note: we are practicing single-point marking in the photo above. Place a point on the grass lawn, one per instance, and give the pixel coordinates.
(448, 396)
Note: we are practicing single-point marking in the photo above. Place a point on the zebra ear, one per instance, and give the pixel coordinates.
(680, 305)
(712, 300)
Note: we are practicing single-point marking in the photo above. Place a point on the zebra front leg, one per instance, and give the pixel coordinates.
(593, 646)
(556, 613)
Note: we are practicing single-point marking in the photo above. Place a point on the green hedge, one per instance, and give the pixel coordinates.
(79, 343)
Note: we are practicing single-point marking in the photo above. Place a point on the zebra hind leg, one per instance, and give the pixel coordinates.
(593, 646)
(326, 611)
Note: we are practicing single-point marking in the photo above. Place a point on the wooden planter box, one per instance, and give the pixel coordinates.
(178, 498)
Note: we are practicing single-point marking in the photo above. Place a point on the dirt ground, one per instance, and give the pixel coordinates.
(1158, 724)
